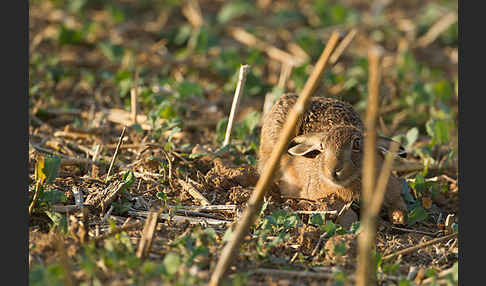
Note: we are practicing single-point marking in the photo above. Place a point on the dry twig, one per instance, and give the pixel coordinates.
(104, 198)
(147, 234)
(133, 98)
(118, 230)
(116, 153)
(189, 188)
(308, 274)
(192, 220)
(192, 11)
(441, 275)
(69, 161)
(330, 213)
(366, 240)
(124, 117)
(236, 102)
(319, 242)
(250, 40)
(297, 273)
(72, 135)
(206, 208)
(343, 45)
(65, 209)
(416, 231)
(422, 245)
(440, 26)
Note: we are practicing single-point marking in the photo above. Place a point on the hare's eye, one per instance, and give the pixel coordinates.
(357, 144)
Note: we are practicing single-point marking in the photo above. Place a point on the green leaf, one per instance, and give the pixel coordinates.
(263, 208)
(53, 196)
(221, 129)
(51, 168)
(404, 282)
(330, 228)
(391, 268)
(137, 128)
(316, 219)
(148, 268)
(128, 179)
(431, 272)
(123, 79)
(203, 39)
(439, 130)
(378, 260)
(455, 271)
(419, 185)
(406, 191)
(69, 36)
(251, 121)
(443, 89)
(189, 89)
(355, 227)
(412, 136)
(417, 214)
(183, 34)
(76, 6)
(51, 275)
(117, 15)
(171, 263)
(340, 279)
(59, 220)
(455, 227)
(232, 10)
(340, 249)
(162, 196)
(167, 110)
(113, 52)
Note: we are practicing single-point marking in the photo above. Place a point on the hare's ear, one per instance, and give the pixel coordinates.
(383, 144)
(305, 145)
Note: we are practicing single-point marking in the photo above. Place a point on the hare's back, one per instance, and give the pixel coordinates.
(324, 113)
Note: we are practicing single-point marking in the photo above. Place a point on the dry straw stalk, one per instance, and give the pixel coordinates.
(236, 102)
(365, 271)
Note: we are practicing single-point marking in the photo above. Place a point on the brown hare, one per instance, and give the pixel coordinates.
(324, 156)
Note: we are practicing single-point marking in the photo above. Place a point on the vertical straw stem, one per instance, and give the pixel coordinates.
(236, 102)
(365, 270)
(116, 153)
(133, 99)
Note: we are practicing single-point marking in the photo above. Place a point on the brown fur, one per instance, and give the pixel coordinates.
(322, 158)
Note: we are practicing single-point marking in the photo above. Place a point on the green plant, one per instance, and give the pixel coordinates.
(278, 224)
(51, 275)
(233, 10)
